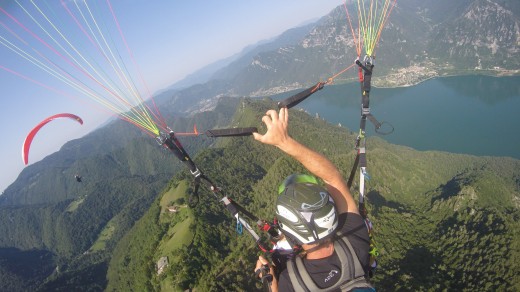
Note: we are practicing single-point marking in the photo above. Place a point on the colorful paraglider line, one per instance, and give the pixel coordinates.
(57, 54)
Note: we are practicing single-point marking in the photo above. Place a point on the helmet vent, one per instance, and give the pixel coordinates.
(287, 214)
(307, 216)
(324, 198)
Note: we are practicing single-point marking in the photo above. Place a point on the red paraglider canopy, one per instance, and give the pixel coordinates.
(32, 133)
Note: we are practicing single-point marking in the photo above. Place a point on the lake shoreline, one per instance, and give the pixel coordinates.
(423, 78)
(457, 114)
(414, 77)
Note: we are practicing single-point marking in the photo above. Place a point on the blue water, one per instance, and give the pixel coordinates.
(477, 115)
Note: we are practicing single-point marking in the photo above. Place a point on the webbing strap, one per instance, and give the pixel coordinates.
(231, 132)
(299, 97)
(374, 121)
(353, 172)
(347, 251)
(296, 278)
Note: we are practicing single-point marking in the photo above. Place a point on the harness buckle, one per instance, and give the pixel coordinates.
(365, 111)
(196, 173)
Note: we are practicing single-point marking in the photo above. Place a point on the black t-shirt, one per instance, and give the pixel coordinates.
(326, 272)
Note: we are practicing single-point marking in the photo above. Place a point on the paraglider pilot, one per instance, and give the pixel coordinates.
(323, 220)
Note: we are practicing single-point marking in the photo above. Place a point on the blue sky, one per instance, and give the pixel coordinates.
(168, 40)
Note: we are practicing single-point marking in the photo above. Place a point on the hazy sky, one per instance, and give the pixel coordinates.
(168, 40)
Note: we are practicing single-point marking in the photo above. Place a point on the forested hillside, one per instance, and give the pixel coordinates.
(73, 226)
(442, 221)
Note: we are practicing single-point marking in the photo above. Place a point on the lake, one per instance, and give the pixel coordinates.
(476, 115)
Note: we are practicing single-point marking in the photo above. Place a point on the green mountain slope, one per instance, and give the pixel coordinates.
(77, 225)
(442, 221)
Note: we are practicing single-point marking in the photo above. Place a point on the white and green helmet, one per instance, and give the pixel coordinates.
(305, 210)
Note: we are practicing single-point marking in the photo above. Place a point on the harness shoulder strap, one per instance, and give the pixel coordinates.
(350, 265)
(299, 281)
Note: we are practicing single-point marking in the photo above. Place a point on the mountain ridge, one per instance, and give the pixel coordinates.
(125, 174)
(412, 49)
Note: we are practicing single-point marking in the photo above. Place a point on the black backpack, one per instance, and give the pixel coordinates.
(352, 272)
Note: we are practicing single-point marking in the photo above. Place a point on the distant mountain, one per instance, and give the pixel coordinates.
(221, 72)
(289, 37)
(72, 231)
(228, 67)
(203, 74)
(422, 39)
